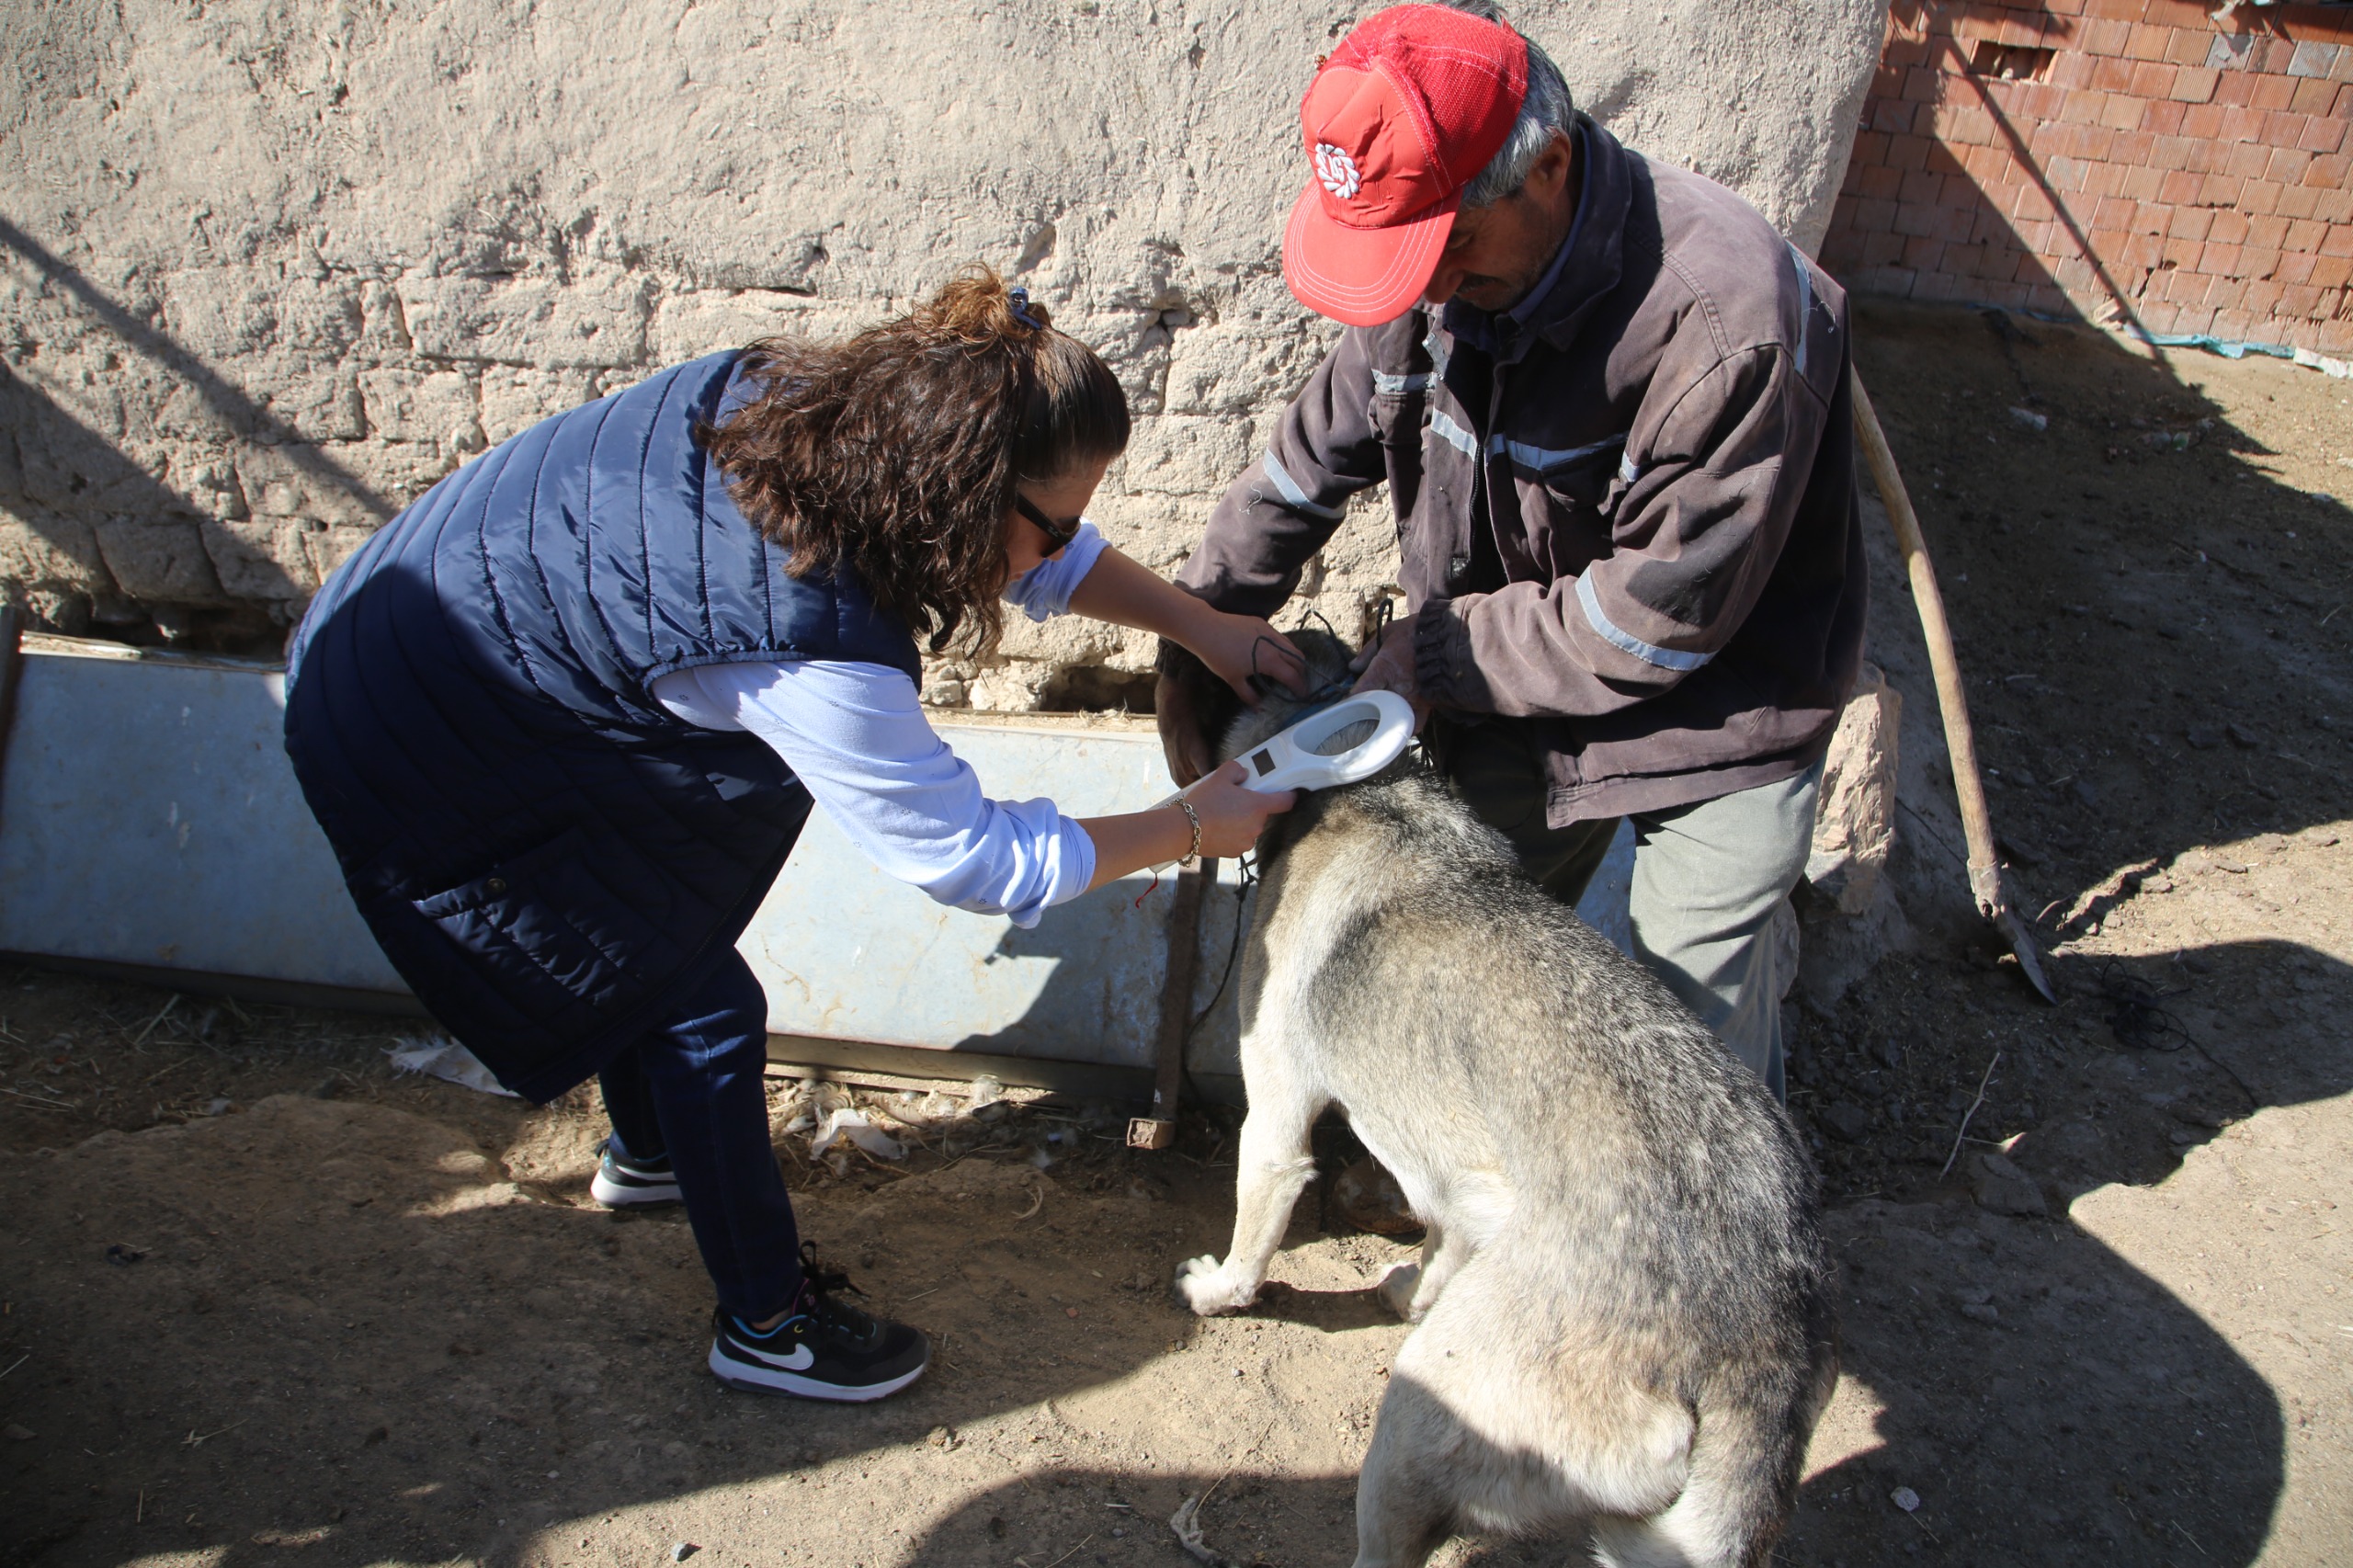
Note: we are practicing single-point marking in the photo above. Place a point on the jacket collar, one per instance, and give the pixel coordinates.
(1590, 267)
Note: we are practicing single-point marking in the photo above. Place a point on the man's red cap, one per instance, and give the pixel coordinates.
(1399, 119)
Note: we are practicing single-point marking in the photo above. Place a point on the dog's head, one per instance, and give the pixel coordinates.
(1328, 677)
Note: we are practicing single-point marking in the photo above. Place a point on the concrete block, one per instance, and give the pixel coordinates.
(160, 562)
(601, 322)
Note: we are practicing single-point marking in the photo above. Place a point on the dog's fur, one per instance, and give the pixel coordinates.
(1626, 1320)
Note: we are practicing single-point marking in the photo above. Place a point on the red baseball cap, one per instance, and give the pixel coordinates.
(1399, 119)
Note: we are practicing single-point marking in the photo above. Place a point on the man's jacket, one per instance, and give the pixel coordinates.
(552, 860)
(1632, 530)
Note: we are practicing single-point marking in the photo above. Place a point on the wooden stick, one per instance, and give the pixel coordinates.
(1952, 696)
(1158, 1130)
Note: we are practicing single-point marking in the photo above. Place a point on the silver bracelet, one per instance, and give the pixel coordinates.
(1194, 817)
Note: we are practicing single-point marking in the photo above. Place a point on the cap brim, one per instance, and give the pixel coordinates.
(1361, 276)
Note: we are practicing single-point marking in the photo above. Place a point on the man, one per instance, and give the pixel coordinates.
(1610, 404)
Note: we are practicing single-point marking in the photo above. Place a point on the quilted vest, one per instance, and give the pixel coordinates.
(548, 857)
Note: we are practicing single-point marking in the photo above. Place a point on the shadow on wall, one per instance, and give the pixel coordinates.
(169, 558)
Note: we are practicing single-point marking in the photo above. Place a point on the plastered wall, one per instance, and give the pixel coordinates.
(267, 270)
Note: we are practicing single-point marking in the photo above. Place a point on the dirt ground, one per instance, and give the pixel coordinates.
(262, 1301)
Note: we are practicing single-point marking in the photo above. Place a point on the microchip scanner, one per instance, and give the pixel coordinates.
(1306, 756)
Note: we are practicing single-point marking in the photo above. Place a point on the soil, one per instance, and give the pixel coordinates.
(264, 1300)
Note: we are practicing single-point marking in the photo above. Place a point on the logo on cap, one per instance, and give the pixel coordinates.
(1336, 170)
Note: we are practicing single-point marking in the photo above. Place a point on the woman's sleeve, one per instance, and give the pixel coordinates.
(1045, 589)
(856, 735)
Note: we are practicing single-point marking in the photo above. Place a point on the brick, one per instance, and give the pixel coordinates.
(2288, 164)
(2257, 296)
(2273, 93)
(2007, 296)
(2235, 90)
(2105, 39)
(2235, 323)
(2112, 212)
(1954, 223)
(2030, 204)
(2140, 184)
(2258, 199)
(2084, 106)
(2344, 109)
(2147, 42)
(1940, 159)
(2035, 234)
(2298, 200)
(2188, 47)
(1880, 249)
(2281, 128)
(2322, 134)
(2177, 253)
(2111, 74)
(2224, 190)
(1960, 194)
(2194, 85)
(2332, 271)
(2121, 112)
(2153, 80)
(2204, 121)
(2245, 159)
(1892, 116)
(2049, 299)
(2179, 186)
(2334, 206)
(1923, 85)
(1921, 187)
(2232, 228)
(1963, 261)
(2240, 124)
(1905, 154)
(2071, 70)
(2330, 171)
(2207, 157)
(1923, 252)
(2065, 174)
(2339, 241)
(2140, 250)
(1914, 217)
(2172, 153)
(2255, 263)
(1937, 286)
(2136, 148)
(2221, 261)
(2101, 178)
(2097, 143)
(1894, 282)
(2295, 266)
(2162, 117)
(2191, 223)
(2312, 96)
(1879, 185)
(2301, 300)
(1870, 148)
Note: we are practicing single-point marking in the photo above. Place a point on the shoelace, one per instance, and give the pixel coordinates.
(819, 1285)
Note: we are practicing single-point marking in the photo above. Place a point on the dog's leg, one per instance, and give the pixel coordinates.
(1412, 1289)
(1401, 1510)
(1275, 1165)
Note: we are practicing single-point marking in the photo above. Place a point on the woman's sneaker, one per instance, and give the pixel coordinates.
(824, 1349)
(624, 1181)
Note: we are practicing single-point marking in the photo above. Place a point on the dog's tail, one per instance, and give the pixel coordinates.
(1747, 1452)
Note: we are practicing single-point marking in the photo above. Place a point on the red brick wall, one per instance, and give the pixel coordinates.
(2124, 160)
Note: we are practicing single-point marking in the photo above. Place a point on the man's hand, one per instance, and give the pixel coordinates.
(1387, 664)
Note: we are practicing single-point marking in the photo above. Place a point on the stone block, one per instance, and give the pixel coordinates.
(1185, 455)
(160, 562)
(440, 407)
(311, 405)
(222, 313)
(308, 481)
(261, 559)
(1854, 823)
(594, 322)
(43, 550)
(514, 399)
(691, 322)
(330, 546)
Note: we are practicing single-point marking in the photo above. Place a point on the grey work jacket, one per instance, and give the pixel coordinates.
(1633, 534)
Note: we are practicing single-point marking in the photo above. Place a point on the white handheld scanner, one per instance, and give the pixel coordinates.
(1351, 740)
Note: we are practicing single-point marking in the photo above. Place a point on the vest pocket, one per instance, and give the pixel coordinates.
(566, 913)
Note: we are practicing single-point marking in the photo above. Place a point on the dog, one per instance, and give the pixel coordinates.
(1626, 1318)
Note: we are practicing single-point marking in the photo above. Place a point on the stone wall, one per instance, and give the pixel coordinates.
(268, 269)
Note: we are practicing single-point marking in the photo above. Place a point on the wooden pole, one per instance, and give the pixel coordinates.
(1158, 1130)
(1952, 696)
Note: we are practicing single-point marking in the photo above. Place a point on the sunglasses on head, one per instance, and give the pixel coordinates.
(1057, 534)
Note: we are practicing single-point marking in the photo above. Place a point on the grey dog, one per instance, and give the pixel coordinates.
(1626, 1322)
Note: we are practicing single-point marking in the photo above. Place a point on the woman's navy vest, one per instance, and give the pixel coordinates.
(549, 856)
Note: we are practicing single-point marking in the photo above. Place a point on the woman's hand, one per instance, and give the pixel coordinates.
(1236, 647)
(1232, 820)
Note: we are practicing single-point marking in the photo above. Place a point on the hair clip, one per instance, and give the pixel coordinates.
(1019, 299)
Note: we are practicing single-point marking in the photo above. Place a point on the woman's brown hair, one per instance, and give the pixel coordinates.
(892, 457)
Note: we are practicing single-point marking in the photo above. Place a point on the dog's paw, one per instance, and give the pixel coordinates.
(1203, 1284)
(1396, 1290)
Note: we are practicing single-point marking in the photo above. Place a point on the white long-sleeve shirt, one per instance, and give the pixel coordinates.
(856, 734)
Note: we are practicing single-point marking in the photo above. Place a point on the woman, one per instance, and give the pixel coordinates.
(563, 718)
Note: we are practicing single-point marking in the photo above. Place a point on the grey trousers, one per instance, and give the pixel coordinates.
(1707, 880)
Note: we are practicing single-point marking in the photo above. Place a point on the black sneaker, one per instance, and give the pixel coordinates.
(624, 1181)
(825, 1349)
